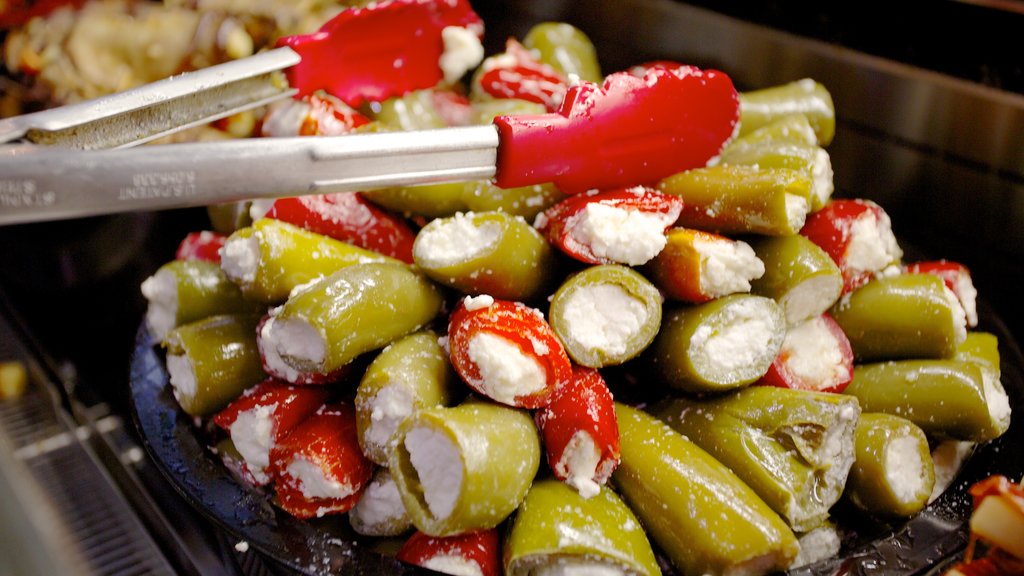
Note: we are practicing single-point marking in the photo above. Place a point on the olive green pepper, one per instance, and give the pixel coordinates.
(905, 316)
(798, 274)
(892, 475)
(486, 253)
(605, 315)
(694, 508)
(720, 345)
(794, 448)
(485, 110)
(945, 398)
(428, 200)
(807, 97)
(183, 291)
(982, 349)
(212, 361)
(379, 511)
(464, 468)
(229, 217)
(412, 111)
(270, 258)
(525, 201)
(742, 199)
(355, 310)
(566, 49)
(790, 128)
(556, 526)
(810, 159)
(412, 373)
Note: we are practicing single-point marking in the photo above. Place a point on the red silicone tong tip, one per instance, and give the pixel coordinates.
(383, 50)
(631, 130)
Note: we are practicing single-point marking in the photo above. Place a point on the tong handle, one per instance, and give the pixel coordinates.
(163, 107)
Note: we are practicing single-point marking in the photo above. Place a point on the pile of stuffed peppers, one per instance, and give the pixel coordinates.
(530, 381)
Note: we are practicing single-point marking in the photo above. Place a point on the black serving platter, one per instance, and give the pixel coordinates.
(923, 545)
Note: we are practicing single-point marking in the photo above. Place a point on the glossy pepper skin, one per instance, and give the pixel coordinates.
(512, 261)
(413, 111)
(892, 474)
(185, 291)
(201, 245)
(519, 326)
(945, 398)
(426, 200)
(683, 268)
(581, 411)
(671, 120)
(413, 32)
(957, 278)
(798, 274)
(325, 441)
(493, 482)
(813, 160)
(555, 525)
(565, 48)
(525, 201)
(346, 216)
(794, 128)
(568, 224)
(220, 351)
(287, 257)
(807, 97)
(741, 199)
(284, 405)
(681, 354)
(906, 316)
(704, 518)
(355, 310)
(794, 448)
(409, 374)
(481, 549)
(614, 300)
(815, 355)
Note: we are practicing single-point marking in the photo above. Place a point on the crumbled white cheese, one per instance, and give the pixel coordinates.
(453, 564)
(578, 464)
(904, 468)
(959, 315)
(258, 208)
(821, 177)
(726, 267)
(462, 52)
(872, 245)
(290, 338)
(948, 457)
(242, 546)
(797, 208)
(744, 340)
(818, 544)
(477, 302)
(379, 511)
(613, 234)
(182, 377)
(448, 241)
(968, 296)
(996, 399)
(389, 408)
(252, 433)
(285, 118)
(577, 566)
(505, 371)
(313, 482)
(811, 297)
(161, 291)
(603, 317)
(438, 464)
(240, 259)
(814, 355)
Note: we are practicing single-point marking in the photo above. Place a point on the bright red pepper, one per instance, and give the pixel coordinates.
(831, 358)
(566, 224)
(624, 132)
(348, 217)
(520, 75)
(318, 467)
(957, 278)
(517, 325)
(202, 245)
(276, 369)
(285, 405)
(382, 50)
(481, 548)
(843, 224)
(582, 406)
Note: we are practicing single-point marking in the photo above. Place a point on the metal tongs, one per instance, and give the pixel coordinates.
(633, 129)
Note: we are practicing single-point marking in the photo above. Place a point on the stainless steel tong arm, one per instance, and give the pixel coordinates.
(46, 183)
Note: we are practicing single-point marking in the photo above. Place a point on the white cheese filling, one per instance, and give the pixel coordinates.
(449, 241)
(996, 398)
(258, 208)
(814, 356)
(821, 177)
(578, 464)
(161, 291)
(959, 315)
(379, 511)
(477, 302)
(182, 377)
(948, 458)
(438, 464)
(968, 296)
(810, 298)
(388, 408)
(291, 339)
(462, 52)
(604, 317)
(797, 208)
(312, 481)
(872, 245)
(252, 433)
(577, 566)
(745, 339)
(630, 237)
(453, 564)
(505, 371)
(726, 267)
(240, 259)
(816, 545)
(286, 118)
(904, 468)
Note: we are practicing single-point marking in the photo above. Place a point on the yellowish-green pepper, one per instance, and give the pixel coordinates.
(427, 200)
(566, 49)
(789, 128)
(807, 97)
(892, 474)
(808, 158)
(412, 111)
(798, 274)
